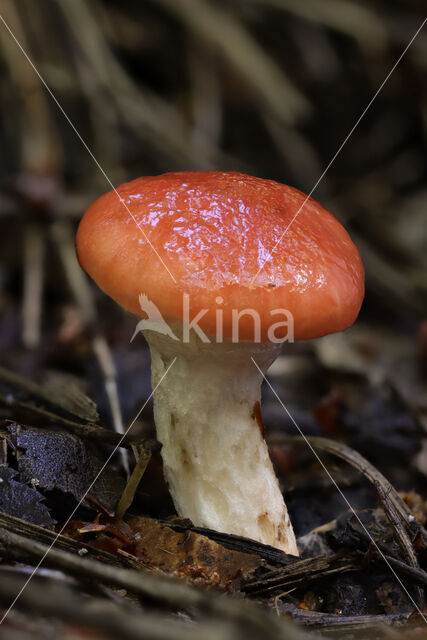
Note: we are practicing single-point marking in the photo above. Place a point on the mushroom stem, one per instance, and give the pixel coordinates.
(215, 457)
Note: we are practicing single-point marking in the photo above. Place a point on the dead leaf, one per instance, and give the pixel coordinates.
(21, 501)
(190, 555)
(61, 460)
(65, 393)
(60, 395)
(111, 535)
(159, 548)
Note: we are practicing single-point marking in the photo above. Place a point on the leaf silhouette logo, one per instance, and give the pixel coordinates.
(154, 320)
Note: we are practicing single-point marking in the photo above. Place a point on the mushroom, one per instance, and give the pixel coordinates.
(205, 256)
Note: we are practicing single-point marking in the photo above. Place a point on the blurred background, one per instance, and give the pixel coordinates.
(267, 87)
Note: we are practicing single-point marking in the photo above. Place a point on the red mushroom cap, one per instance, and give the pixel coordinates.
(214, 231)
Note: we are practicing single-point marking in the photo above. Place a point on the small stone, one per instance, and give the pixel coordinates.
(82, 552)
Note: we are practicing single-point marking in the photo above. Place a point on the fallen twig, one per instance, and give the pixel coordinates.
(301, 571)
(402, 536)
(354, 458)
(338, 625)
(236, 543)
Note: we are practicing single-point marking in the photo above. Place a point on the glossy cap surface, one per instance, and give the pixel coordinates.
(214, 231)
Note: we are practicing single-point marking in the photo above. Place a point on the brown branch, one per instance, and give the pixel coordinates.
(416, 575)
(235, 543)
(340, 624)
(359, 462)
(402, 536)
(302, 571)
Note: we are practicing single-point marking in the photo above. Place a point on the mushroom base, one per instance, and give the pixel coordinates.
(215, 458)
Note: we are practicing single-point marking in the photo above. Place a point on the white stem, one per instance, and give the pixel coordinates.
(215, 458)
